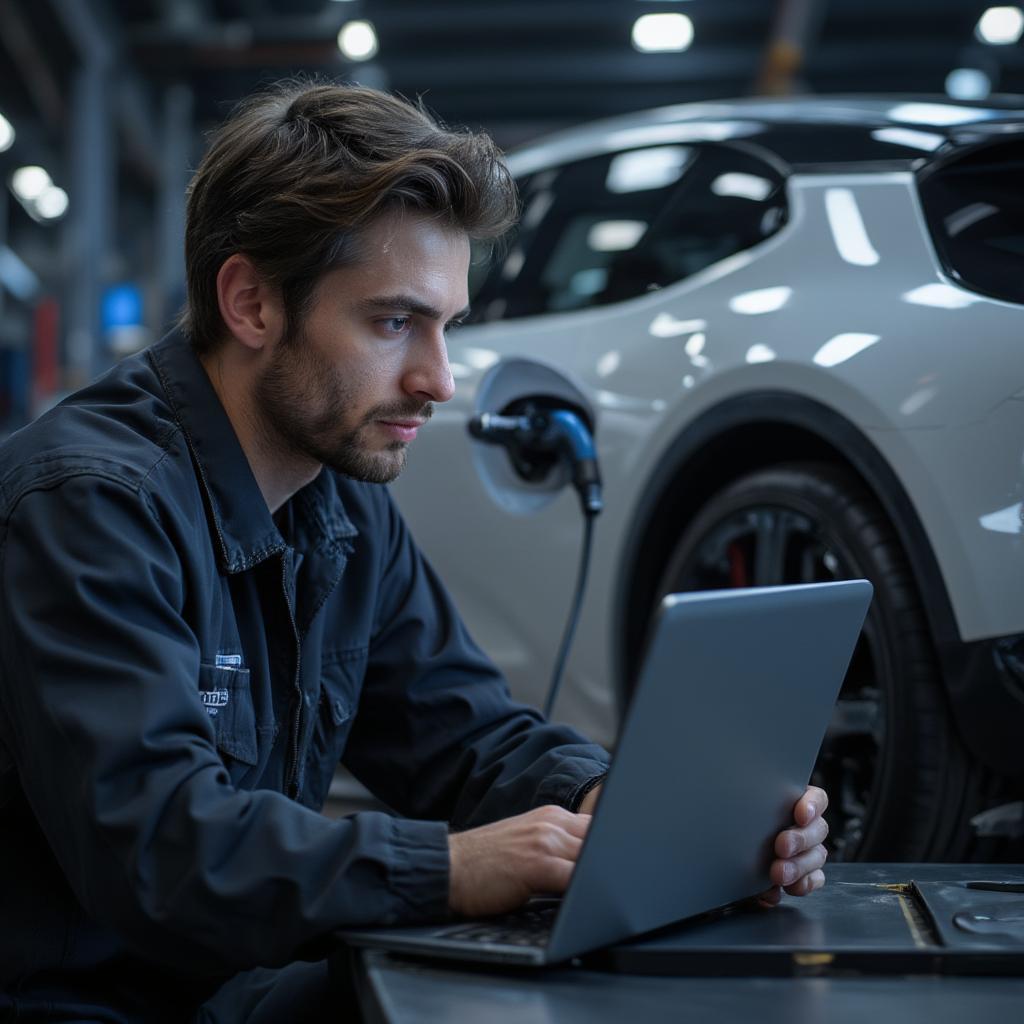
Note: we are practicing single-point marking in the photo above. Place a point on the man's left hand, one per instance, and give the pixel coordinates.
(799, 850)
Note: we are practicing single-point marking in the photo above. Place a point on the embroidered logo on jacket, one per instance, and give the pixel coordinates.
(214, 700)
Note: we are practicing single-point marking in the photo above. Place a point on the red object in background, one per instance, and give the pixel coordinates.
(45, 363)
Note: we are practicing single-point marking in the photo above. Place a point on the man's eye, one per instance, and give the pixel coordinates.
(453, 325)
(396, 324)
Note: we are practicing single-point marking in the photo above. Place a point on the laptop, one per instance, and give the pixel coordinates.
(733, 700)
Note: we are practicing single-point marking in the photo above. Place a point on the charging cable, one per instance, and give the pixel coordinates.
(537, 439)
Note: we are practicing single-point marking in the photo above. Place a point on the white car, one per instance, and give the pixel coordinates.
(795, 328)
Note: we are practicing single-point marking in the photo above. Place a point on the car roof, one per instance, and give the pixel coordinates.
(806, 133)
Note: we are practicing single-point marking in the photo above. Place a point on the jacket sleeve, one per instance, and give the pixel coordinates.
(115, 754)
(437, 734)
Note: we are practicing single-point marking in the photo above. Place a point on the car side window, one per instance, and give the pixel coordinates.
(613, 227)
(975, 213)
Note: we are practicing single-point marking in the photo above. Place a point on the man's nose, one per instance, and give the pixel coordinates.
(427, 372)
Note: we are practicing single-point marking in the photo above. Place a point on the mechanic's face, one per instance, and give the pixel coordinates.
(360, 375)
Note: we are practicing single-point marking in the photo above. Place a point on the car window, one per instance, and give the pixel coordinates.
(975, 212)
(616, 226)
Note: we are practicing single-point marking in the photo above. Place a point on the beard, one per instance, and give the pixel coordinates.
(304, 403)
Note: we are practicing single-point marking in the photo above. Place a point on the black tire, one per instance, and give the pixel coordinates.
(901, 784)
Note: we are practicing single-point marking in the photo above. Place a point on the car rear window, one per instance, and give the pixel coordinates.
(974, 206)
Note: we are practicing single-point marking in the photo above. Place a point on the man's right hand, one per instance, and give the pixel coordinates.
(497, 868)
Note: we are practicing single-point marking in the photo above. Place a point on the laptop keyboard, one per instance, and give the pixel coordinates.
(527, 927)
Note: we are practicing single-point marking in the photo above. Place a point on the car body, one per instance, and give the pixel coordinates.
(795, 329)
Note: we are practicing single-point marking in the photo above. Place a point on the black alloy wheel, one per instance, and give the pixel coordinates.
(900, 783)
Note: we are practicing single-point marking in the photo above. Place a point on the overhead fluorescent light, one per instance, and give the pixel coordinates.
(357, 40)
(660, 33)
(6, 134)
(52, 203)
(1000, 26)
(968, 84)
(29, 183)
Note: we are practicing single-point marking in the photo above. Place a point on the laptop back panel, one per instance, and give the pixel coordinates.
(733, 701)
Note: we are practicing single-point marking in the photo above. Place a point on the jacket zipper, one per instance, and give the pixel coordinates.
(291, 780)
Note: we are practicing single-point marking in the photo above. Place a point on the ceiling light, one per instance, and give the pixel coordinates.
(6, 134)
(1000, 26)
(29, 183)
(357, 40)
(968, 84)
(654, 33)
(52, 203)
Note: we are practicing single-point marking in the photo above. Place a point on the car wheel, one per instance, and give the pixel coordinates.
(899, 780)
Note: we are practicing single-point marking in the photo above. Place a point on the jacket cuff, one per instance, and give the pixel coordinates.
(419, 870)
(583, 789)
(571, 781)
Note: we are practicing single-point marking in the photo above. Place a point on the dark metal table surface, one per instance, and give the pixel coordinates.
(401, 990)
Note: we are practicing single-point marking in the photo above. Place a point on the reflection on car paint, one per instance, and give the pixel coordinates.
(942, 296)
(844, 346)
(1004, 520)
(761, 300)
(665, 325)
(848, 230)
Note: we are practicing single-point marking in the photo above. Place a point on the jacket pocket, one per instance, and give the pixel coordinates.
(340, 683)
(227, 699)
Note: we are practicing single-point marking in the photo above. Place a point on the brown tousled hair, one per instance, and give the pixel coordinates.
(297, 172)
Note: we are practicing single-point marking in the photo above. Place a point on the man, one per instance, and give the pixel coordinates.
(208, 601)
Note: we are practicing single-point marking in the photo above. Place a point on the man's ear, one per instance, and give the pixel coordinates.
(251, 309)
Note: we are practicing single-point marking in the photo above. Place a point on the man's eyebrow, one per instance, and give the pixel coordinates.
(390, 303)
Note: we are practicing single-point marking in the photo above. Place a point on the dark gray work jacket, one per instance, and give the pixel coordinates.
(180, 673)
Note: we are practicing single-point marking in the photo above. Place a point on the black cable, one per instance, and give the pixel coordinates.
(570, 626)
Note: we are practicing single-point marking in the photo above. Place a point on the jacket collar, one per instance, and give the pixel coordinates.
(243, 528)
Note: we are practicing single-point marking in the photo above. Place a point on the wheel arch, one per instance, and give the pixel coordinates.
(751, 432)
